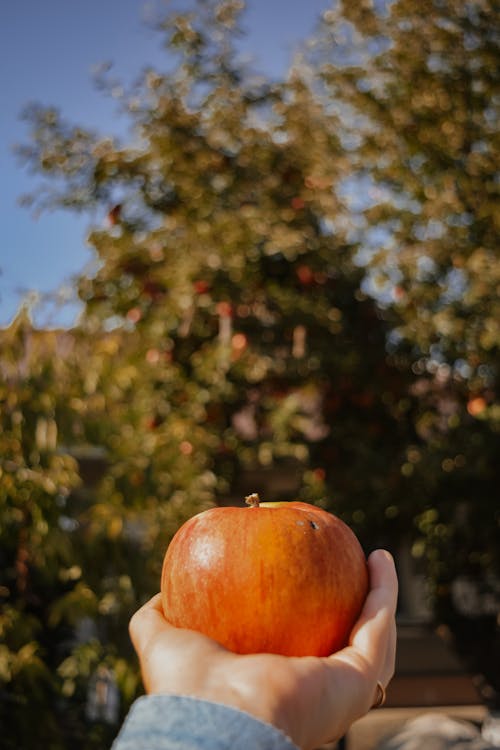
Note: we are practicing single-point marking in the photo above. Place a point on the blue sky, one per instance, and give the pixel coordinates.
(48, 49)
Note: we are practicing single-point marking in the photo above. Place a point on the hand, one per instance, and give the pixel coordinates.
(311, 699)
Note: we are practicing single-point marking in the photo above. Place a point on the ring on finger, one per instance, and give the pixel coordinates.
(380, 695)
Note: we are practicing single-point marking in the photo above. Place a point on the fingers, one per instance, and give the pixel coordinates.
(383, 578)
(341, 688)
(380, 605)
(372, 645)
(374, 635)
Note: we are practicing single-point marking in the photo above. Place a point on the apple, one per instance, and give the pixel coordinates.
(284, 578)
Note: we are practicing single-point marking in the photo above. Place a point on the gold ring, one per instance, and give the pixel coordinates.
(380, 696)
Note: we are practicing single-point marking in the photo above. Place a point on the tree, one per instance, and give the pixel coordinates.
(226, 345)
(227, 260)
(417, 89)
(37, 558)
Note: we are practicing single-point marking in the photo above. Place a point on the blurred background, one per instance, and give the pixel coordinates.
(265, 259)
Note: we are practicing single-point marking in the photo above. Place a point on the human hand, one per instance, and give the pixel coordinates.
(313, 700)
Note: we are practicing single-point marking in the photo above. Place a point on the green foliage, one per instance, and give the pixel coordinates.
(418, 91)
(424, 92)
(293, 293)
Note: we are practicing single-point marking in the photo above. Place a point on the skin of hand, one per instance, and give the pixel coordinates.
(313, 700)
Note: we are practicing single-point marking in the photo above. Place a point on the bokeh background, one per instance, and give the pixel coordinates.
(278, 274)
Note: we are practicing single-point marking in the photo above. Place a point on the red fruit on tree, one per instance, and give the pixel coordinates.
(305, 275)
(201, 286)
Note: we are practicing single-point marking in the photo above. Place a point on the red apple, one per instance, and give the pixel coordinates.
(282, 578)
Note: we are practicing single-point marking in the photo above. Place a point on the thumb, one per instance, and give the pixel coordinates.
(148, 622)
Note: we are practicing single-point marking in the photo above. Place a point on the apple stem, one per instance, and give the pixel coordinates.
(253, 500)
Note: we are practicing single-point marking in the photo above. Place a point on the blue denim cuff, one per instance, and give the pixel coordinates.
(172, 722)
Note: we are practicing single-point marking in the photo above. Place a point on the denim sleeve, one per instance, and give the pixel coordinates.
(172, 722)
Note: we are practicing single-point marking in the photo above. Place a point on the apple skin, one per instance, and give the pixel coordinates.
(282, 578)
